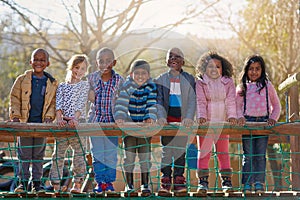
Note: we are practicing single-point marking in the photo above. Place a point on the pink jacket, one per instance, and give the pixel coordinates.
(256, 103)
(216, 98)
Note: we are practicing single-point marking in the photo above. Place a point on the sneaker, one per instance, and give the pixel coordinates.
(179, 184)
(37, 187)
(100, 188)
(227, 185)
(56, 187)
(258, 187)
(129, 188)
(20, 189)
(203, 185)
(110, 188)
(247, 188)
(165, 184)
(145, 188)
(38, 190)
(76, 189)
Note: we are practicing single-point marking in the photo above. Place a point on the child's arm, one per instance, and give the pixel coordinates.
(51, 94)
(73, 122)
(230, 103)
(15, 101)
(201, 103)
(191, 105)
(91, 96)
(161, 112)
(121, 106)
(59, 119)
(151, 109)
(240, 107)
(275, 105)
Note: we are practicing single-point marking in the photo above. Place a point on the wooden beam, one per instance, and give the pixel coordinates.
(289, 82)
(141, 129)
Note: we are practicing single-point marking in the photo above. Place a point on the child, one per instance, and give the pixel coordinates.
(215, 91)
(32, 99)
(257, 101)
(136, 102)
(104, 84)
(71, 98)
(176, 96)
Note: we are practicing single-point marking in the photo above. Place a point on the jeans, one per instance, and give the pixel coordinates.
(254, 157)
(104, 151)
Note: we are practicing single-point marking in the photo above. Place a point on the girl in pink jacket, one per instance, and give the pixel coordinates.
(215, 91)
(257, 101)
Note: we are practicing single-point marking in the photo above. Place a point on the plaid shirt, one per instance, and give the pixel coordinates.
(105, 93)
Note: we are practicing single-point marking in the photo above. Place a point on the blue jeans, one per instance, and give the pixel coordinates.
(104, 151)
(254, 157)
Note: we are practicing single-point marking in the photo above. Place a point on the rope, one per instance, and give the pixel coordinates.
(278, 173)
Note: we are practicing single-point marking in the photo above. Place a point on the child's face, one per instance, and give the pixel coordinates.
(106, 62)
(175, 59)
(254, 71)
(79, 71)
(214, 69)
(140, 76)
(39, 62)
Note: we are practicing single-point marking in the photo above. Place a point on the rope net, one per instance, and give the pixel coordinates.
(277, 176)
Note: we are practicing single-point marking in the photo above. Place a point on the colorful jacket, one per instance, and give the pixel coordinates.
(20, 97)
(215, 98)
(188, 96)
(136, 103)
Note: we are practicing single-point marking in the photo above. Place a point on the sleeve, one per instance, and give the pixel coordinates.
(201, 101)
(161, 112)
(15, 100)
(151, 109)
(59, 97)
(191, 108)
(121, 105)
(239, 102)
(83, 95)
(230, 102)
(51, 90)
(275, 106)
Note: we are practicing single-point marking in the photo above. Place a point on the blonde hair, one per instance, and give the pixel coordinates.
(75, 60)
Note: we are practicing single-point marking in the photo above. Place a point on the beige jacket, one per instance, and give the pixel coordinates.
(20, 97)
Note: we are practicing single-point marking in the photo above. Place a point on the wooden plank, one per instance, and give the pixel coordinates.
(141, 129)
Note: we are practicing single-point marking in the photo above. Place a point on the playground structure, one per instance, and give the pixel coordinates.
(278, 133)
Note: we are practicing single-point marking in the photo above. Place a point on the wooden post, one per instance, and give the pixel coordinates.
(295, 140)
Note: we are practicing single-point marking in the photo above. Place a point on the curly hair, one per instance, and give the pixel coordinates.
(227, 68)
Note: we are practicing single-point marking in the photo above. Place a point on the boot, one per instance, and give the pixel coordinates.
(37, 187)
(166, 183)
(22, 187)
(226, 175)
(203, 175)
(129, 179)
(145, 183)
